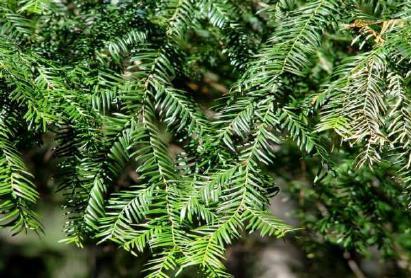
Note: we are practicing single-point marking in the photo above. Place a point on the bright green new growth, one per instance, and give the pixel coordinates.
(331, 77)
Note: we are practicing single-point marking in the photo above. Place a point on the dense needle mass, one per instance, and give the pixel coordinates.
(171, 121)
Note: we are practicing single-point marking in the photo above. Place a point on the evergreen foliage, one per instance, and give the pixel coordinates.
(117, 85)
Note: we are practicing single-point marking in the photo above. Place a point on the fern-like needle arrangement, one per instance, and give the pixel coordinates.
(120, 86)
